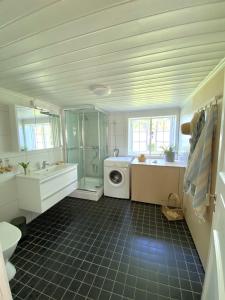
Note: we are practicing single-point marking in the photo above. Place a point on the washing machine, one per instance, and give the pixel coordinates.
(117, 177)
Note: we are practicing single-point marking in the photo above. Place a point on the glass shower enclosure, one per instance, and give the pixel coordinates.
(86, 145)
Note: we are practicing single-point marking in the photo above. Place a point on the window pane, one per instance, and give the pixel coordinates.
(135, 147)
(143, 147)
(135, 125)
(141, 140)
(162, 134)
(136, 136)
(143, 136)
(139, 135)
(144, 125)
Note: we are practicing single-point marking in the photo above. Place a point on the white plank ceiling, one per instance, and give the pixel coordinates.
(152, 53)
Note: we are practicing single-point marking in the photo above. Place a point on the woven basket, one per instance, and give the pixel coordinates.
(172, 210)
(172, 214)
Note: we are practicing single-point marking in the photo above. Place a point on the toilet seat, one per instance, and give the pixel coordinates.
(9, 235)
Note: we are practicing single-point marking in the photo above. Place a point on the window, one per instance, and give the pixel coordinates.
(149, 135)
(36, 129)
(37, 136)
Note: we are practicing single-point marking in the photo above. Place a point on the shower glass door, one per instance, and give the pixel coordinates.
(73, 149)
(90, 147)
(86, 145)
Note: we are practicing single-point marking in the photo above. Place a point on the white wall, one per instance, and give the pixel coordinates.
(5, 142)
(186, 115)
(120, 119)
(8, 203)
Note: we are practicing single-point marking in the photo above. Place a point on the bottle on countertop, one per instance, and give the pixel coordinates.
(116, 152)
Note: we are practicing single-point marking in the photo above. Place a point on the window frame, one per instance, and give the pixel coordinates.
(173, 134)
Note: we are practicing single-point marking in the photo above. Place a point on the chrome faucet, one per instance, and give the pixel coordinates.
(44, 164)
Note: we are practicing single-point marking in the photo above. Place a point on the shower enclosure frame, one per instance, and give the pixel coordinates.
(83, 147)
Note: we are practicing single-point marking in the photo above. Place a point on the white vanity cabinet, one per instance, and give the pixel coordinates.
(40, 190)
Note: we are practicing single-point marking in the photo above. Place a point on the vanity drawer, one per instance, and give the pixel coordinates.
(51, 186)
(59, 195)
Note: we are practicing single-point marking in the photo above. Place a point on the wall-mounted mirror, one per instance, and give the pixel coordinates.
(37, 129)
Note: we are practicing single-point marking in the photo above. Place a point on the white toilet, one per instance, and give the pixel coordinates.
(9, 238)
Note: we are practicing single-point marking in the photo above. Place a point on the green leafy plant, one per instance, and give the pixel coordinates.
(169, 153)
(24, 166)
(168, 150)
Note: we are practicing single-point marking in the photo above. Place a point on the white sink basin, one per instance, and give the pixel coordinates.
(51, 169)
(48, 172)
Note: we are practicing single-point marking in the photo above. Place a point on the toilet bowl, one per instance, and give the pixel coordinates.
(9, 238)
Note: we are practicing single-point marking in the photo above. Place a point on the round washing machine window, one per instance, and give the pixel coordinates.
(116, 177)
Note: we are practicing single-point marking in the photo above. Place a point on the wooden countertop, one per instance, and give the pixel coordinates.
(159, 163)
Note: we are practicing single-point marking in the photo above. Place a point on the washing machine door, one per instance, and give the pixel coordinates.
(116, 177)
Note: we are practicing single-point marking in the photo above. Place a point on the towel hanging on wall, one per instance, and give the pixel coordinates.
(197, 124)
(197, 178)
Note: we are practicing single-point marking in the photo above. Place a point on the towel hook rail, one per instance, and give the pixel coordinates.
(212, 102)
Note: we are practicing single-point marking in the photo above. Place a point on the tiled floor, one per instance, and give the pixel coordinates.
(110, 249)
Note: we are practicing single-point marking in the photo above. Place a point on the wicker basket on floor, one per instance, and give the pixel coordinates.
(172, 210)
(172, 213)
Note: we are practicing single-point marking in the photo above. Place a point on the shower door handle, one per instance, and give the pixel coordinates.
(73, 148)
(89, 148)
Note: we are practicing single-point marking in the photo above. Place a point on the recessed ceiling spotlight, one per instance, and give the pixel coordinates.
(100, 89)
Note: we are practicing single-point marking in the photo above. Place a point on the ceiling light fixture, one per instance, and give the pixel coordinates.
(100, 89)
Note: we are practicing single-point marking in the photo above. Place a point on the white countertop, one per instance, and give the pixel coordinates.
(160, 163)
(49, 172)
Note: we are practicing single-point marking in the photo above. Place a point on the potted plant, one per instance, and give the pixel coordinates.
(169, 153)
(24, 166)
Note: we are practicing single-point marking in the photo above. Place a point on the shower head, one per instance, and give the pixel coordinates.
(45, 113)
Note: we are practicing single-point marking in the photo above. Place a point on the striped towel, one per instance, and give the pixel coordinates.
(197, 177)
